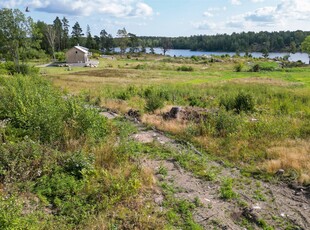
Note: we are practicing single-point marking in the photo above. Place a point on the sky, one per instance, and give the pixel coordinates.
(172, 18)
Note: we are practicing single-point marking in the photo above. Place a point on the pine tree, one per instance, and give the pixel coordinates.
(76, 33)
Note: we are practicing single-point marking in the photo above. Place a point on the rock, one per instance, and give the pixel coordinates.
(174, 112)
(253, 119)
(159, 200)
(280, 172)
(134, 114)
(257, 207)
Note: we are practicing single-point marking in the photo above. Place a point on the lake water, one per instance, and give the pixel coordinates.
(188, 53)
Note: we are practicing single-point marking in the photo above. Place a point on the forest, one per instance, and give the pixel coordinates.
(282, 41)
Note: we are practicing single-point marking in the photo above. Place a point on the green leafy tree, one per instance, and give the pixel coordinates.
(106, 41)
(76, 33)
(134, 43)
(57, 24)
(96, 42)
(89, 39)
(166, 45)
(123, 39)
(15, 30)
(65, 31)
(41, 30)
(305, 46)
(265, 53)
(293, 47)
(50, 34)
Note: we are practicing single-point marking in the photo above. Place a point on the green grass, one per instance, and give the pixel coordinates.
(58, 168)
(280, 101)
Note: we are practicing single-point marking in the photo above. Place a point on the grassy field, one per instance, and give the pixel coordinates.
(65, 166)
(262, 119)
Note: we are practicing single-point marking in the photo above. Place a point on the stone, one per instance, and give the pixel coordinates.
(280, 172)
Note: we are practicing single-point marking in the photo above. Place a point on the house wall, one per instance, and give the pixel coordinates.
(74, 55)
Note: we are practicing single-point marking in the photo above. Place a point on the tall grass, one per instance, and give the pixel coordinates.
(59, 167)
(36, 110)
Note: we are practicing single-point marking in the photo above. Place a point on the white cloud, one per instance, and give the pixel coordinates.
(208, 14)
(10, 3)
(265, 14)
(281, 16)
(116, 8)
(205, 25)
(294, 9)
(256, 1)
(212, 11)
(235, 2)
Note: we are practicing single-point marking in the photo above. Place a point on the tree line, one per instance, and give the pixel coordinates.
(21, 38)
(282, 41)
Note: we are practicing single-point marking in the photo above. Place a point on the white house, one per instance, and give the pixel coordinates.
(78, 54)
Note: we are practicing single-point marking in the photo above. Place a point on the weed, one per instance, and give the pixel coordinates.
(162, 170)
(258, 195)
(226, 189)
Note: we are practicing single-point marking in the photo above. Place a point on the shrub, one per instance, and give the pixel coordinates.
(226, 190)
(23, 69)
(60, 56)
(255, 68)
(238, 67)
(154, 102)
(242, 102)
(197, 101)
(185, 68)
(95, 55)
(225, 123)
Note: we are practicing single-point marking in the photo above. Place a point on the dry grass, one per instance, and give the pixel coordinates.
(263, 80)
(116, 105)
(291, 155)
(172, 126)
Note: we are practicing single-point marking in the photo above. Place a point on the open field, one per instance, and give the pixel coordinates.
(156, 143)
(253, 140)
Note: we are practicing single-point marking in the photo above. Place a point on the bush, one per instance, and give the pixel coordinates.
(264, 66)
(242, 102)
(60, 56)
(255, 68)
(185, 68)
(238, 67)
(154, 102)
(225, 123)
(23, 69)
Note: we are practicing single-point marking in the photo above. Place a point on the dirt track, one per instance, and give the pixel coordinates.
(258, 204)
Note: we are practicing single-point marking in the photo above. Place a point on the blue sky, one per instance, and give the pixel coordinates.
(172, 17)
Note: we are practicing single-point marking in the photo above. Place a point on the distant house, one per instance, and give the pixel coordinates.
(78, 54)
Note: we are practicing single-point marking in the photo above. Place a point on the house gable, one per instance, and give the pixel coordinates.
(77, 54)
